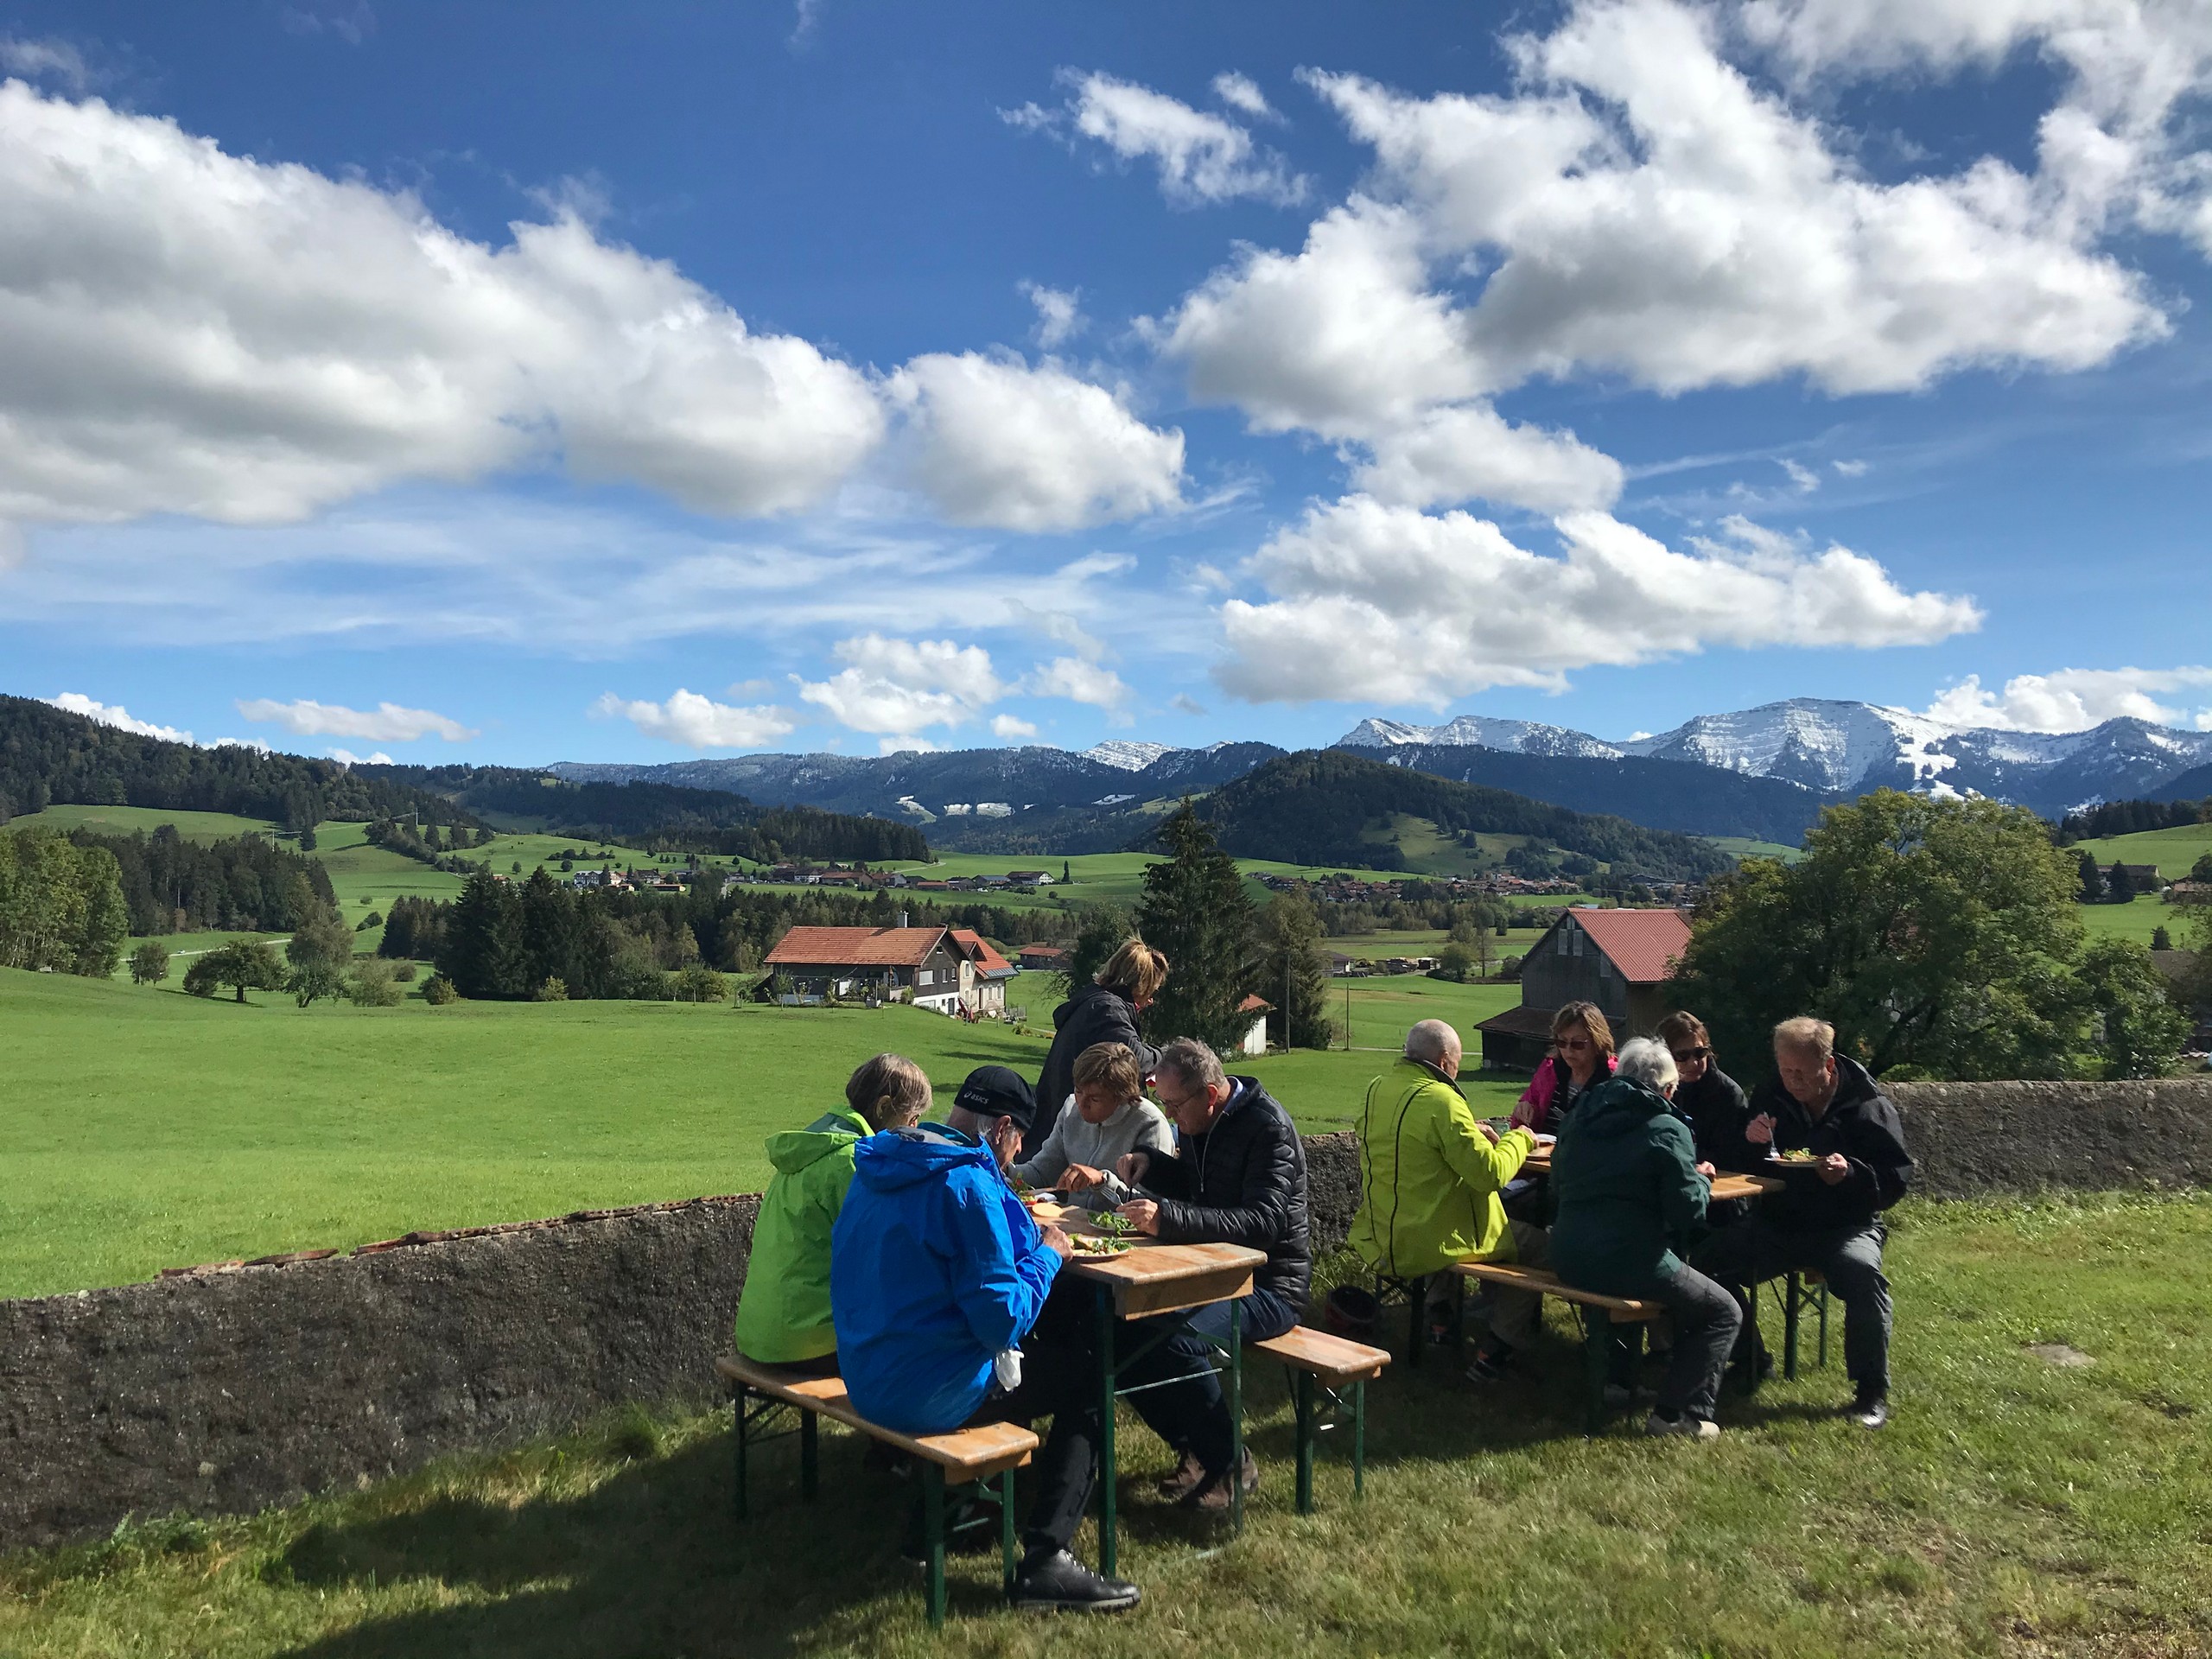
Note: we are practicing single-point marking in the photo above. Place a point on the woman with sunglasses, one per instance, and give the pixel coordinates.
(1712, 1103)
(1582, 1054)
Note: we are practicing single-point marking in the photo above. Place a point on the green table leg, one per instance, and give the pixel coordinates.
(933, 1537)
(1598, 1353)
(739, 1505)
(1824, 1325)
(1108, 1553)
(1237, 1416)
(1302, 1404)
(1006, 1529)
(807, 1464)
(1792, 1291)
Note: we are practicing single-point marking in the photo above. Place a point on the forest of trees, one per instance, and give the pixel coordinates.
(48, 755)
(62, 907)
(244, 884)
(666, 818)
(504, 939)
(1316, 808)
(2131, 817)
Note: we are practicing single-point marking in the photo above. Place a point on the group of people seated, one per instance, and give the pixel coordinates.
(1626, 1210)
(895, 1252)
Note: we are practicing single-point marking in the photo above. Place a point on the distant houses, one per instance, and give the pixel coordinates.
(947, 969)
(1618, 959)
(1043, 958)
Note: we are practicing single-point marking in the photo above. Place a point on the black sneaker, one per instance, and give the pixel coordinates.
(1059, 1583)
(1869, 1411)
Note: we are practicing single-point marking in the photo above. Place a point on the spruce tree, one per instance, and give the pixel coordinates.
(2120, 886)
(1294, 973)
(2093, 880)
(1196, 911)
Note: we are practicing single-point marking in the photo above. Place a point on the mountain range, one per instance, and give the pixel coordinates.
(1764, 773)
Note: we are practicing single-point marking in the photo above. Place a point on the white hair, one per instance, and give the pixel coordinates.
(1431, 1040)
(1645, 1060)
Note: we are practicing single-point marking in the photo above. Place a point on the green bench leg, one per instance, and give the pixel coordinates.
(807, 1464)
(1237, 1417)
(1006, 1529)
(738, 1505)
(1302, 1403)
(933, 1537)
(1109, 1542)
(1597, 1355)
(1824, 1325)
(1792, 1296)
(1359, 1438)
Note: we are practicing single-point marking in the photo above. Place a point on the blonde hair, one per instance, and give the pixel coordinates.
(1806, 1035)
(1110, 1066)
(1590, 1018)
(890, 1091)
(1135, 970)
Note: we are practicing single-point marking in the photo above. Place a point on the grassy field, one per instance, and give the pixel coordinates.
(147, 1130)
(2013, 1508)
(1745, 847)
(139, 820)
(2173, 850)
(2136, 919)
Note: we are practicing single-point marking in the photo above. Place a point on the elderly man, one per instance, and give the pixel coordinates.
(1629, 1192)
(1238, 1179)
(1430, 1174)
(1828, 1216)
(942, 1288)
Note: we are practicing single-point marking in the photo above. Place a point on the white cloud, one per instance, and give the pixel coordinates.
(698, 722)
(1078, 681)
(996, 442)
(1060, 313)
(1466, 450)
(348, 758)
(203, 333)
(1201, 157)
(1010, 726)
(387, 723)
(47, 60)
(903, 686)
(1803, 478)
(2075, 699)
(1851, 469)
(115, 715)
(906, 746)
(1390, 604)
(1243, 93)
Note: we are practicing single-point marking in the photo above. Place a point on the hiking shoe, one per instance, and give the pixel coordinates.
(1189, 1476)
(1619, 1396)
(1490, 1365)
(1213, 1494)
(1869, 1412)
(1058, 1582)
(1686, 1428)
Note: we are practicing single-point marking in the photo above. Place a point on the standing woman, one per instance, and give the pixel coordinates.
(1582, 1054)
(1104, 1010)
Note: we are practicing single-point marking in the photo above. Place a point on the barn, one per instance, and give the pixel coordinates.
(1618, 959)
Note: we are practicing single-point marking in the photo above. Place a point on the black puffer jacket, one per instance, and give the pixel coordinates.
(1862, 1124)
(1093, 1015)
(1716, 1111)
(1243, 1182)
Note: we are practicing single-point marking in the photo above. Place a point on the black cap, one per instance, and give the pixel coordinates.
(998, 1091)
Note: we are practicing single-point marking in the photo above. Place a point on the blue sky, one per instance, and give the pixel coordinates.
(639, 382)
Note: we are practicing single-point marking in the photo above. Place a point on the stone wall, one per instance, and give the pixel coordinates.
(222, 1391)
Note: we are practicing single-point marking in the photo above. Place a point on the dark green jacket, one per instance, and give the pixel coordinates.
(1625, 1178)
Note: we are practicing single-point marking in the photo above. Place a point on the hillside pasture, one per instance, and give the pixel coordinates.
(2173, 850)
(143, 820)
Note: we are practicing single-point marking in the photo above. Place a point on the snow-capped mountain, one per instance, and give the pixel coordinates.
(1125, 755)
(1514, 736)
(1813, 741)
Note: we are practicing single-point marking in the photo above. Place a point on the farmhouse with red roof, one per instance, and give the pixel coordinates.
(1619, 959)
(947, 969)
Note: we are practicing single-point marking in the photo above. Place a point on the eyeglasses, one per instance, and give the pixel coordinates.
(1574, 1045)
(1684, 1056)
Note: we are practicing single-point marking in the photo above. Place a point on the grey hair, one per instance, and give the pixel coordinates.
(1193, 1062)
(1431, 1040)
(1645, 1060)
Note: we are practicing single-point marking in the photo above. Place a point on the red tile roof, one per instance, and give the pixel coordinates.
(978, 951)
(1642, 943)
(855, 947)
(1255, 1005)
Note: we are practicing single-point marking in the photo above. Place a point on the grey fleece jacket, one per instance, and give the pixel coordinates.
(1140, 1126)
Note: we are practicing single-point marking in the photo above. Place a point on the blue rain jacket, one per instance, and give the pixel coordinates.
(935, 1268)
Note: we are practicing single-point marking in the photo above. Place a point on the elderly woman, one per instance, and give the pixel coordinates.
(1630, 1193)
(1104, 1010)
(1582, 1043)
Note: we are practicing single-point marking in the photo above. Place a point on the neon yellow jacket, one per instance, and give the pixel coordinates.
(1429, 1178)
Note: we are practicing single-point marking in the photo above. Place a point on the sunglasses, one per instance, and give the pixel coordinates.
(1574, 1045)
(1684, 1056)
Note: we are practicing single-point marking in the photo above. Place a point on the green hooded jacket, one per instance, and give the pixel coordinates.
(1625, 1184)
(784, 1314)
(1428, 1177)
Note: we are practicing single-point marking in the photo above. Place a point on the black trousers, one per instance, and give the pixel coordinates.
(1849, 1258)
(1059, 1380)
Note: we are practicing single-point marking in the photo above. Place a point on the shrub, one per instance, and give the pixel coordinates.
(368, 921)
(404, 973)
(437, 991)
(2160, 938)
(551, 990)
(150, 964)
(699, 983)
(370, 985)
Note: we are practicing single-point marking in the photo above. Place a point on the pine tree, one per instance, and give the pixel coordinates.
(1196, 911)
(2093, 881)
(2120, 886)
(1294, 973)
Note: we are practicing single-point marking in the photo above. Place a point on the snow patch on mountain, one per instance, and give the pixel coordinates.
(1479, 731)
(1811, 740)
(1126, 756)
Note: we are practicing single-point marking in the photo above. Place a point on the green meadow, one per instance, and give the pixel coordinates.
(148, 1129)
(2173, 850)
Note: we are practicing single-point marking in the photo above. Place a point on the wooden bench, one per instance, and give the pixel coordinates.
(1598, 1311)
(977, 1456)
(1802, 1288)
(1319, 1363)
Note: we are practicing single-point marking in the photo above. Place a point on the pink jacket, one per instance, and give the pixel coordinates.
(1534, 1114)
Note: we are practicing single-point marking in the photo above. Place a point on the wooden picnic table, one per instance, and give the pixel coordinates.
(1727, 1185)
(1148, 1279)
